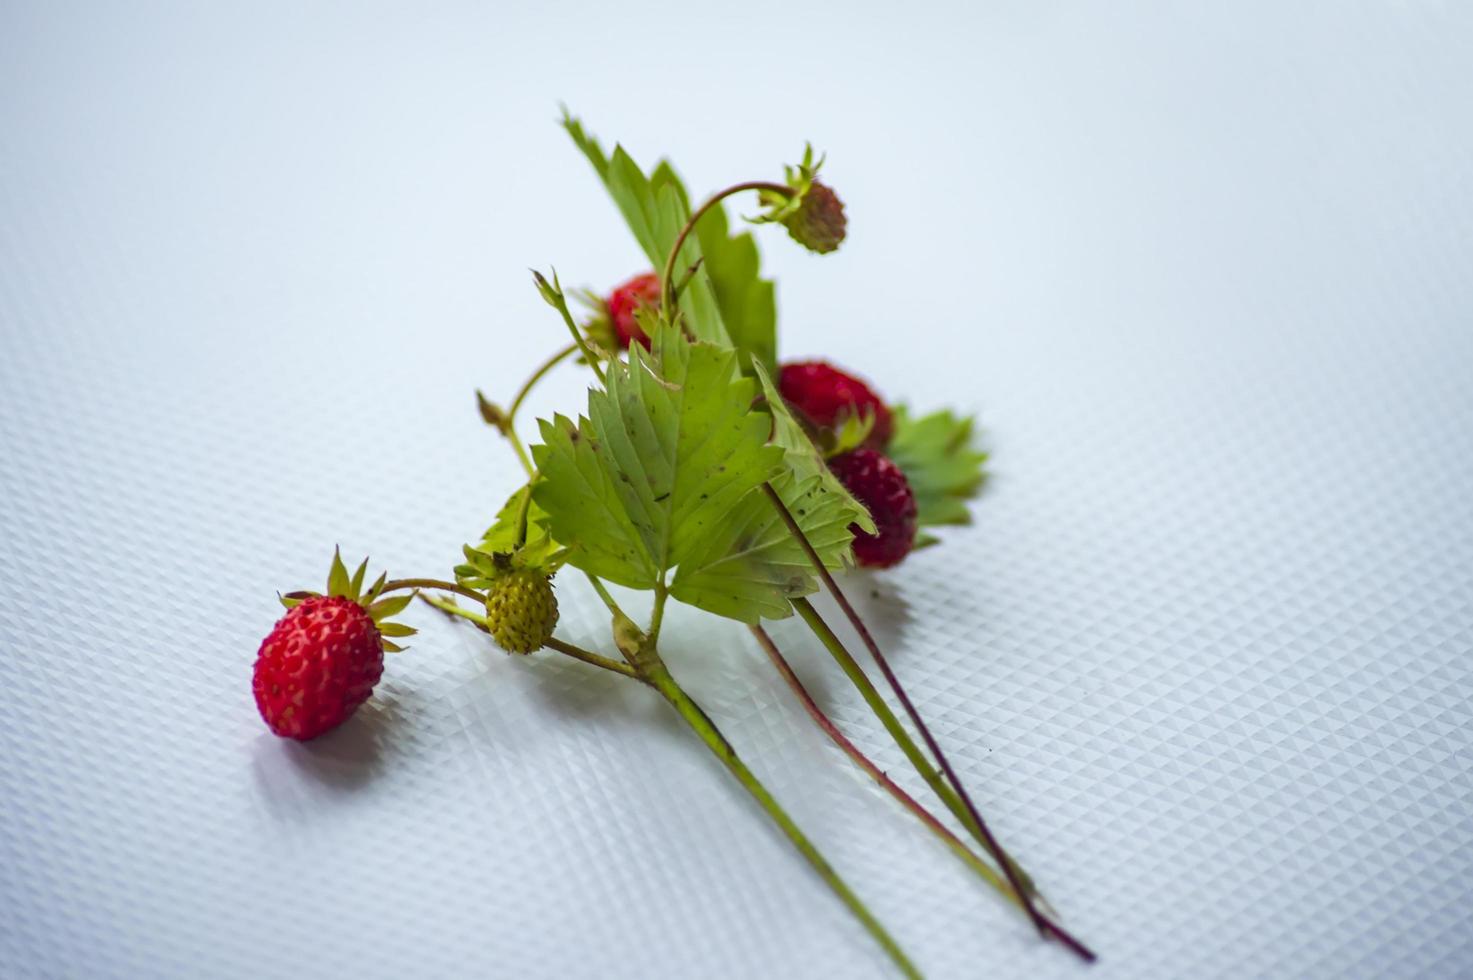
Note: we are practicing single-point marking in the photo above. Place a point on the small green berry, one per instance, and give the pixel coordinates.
(521, 610)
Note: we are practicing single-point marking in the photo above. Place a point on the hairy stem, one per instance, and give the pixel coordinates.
(700, 723)
(667, 285)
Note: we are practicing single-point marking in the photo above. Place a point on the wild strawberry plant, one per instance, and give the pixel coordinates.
(699, 470)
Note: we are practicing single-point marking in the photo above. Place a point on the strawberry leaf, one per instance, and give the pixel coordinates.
(655, 208)
(938, 455)
(750, 566)
(654, 470)
(539, 550)
(748, 302)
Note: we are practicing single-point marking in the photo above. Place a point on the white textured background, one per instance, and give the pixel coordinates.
(1204, 658)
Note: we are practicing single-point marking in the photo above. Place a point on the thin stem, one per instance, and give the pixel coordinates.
(829, 728)
(589, 657)
(523, 511)
(975, 822)
(667, 287)
(555, 298)
(603, 593)
(537, 375)
(1020, 887)
(577, 653)
(521, 450)
(700, 723)
(657, 614)
(877, 704)
(400, 584)
(598, 586)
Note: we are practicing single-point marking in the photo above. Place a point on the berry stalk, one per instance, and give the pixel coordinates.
(553, 643)
(656, 674)
(667, 284)
(865, 763)
(972, 817)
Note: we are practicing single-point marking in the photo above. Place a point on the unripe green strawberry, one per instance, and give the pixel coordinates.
(521, 610)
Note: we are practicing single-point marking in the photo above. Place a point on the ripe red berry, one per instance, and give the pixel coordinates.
(878, 483)
(823, 393)
(316, 666)
(642, 291)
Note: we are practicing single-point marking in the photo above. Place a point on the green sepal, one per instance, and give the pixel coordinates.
(391, 606)
(350, 586)
(799, 179)
(338, 582)
(396, 629)
(938, 455)
(851, 430)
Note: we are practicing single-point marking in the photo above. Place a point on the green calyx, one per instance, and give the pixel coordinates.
(350, 586)
(810, 210)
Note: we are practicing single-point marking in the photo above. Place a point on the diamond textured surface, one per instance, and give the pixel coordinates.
(1205, 657)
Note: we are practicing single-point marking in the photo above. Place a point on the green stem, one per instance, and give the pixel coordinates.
(521, 450)
(603, 593)
(537, 375)
(1021, 887)
(877, 704)
(598, 586)
(400, 584)
(522, 513)
(700, 723)
(553, 294)
(973, 817)
(568, 649)
(857, 756)
(667, 285)
(657, 614)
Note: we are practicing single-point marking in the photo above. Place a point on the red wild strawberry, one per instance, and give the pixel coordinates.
(823, 394)
(321, 660)
(317, 666)
(878, 483)
(641, 292)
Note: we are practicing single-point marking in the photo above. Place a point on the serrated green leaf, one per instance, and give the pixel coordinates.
(539, 550)
(337, 576)
(748, 302)
(751, 565)
(941, 462)
(656, 208)
(584, 510)
(664, 454)
(803, 457)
